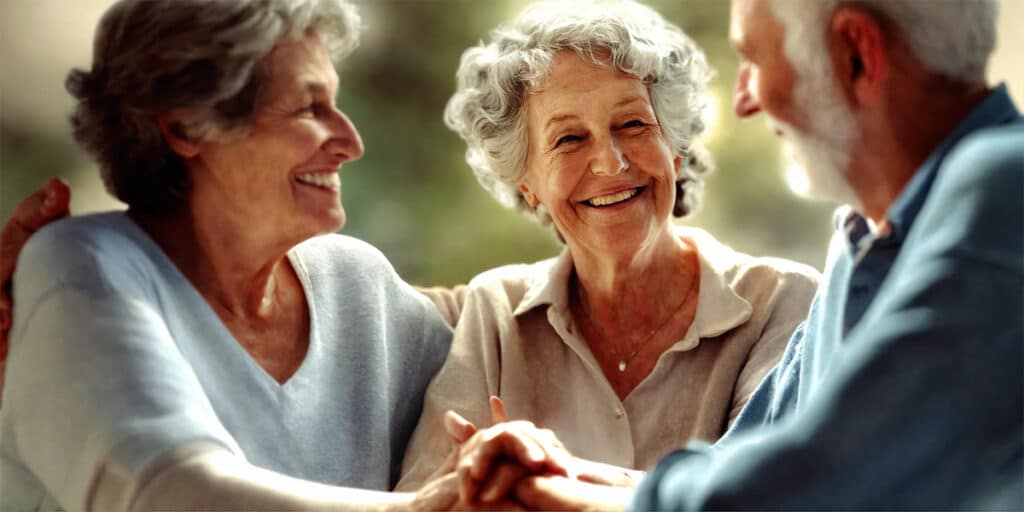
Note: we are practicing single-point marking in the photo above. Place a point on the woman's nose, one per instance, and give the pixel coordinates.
(610, 160)
(344, 142)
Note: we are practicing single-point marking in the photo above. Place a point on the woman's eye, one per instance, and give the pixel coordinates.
(567, 139)
(314, 109)
(634, 123)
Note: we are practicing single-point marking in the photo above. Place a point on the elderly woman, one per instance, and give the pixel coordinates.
(206, 349)
(587, 117)
(641, 335)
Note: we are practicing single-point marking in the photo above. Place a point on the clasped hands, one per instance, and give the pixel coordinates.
(514, 465)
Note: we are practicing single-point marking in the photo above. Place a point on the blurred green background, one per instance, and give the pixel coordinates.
(412, 195)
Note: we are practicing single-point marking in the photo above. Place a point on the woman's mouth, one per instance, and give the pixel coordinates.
(612, 199)
(331, 181)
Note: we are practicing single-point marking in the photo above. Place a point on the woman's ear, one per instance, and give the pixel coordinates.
(174, 134)
(531, 198)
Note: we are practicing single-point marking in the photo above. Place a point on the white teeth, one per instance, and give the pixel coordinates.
(325, 180)
(614, 198)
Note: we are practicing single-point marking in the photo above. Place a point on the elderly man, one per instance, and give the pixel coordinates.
(905, 387)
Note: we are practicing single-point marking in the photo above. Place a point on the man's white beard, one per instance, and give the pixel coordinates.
(823, 153)
(821, 163)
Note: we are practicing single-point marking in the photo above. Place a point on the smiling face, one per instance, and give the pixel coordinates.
(281, 176)
(598, 160)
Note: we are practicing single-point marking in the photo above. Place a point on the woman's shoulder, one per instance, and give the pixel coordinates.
(100, 240)
(97, 230)
(502, 290)
(336, 253)
(98, 254)
(513, 274)
(745, 272)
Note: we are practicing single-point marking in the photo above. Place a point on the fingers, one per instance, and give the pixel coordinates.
(45, 205)
(518, 442)
(458, 427)
(503, 479)
(520, 445)
(51, 201)
(560, 493)
(498, 412)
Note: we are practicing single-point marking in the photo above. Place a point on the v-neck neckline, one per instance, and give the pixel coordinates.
(223, 333)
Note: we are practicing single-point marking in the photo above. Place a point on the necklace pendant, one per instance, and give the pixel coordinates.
(622, 366)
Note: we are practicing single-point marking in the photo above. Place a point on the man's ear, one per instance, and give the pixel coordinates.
(174, 134)
(860, 54)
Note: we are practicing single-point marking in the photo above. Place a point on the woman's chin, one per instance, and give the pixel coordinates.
(324, 221)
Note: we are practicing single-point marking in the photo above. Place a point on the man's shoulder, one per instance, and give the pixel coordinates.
(975, 208)
(993, 146)
(987, 166)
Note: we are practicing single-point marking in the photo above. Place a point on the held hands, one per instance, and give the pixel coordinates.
(441, 492)
(514, 465)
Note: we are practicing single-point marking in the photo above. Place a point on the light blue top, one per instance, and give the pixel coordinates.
(905, 387)
(116, 359)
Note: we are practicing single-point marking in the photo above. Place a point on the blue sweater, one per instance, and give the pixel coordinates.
(905, 387)
(116, 360)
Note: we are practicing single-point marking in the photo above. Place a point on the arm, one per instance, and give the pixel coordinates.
(449, 301)
(468, 377)
(788, 305)
(107, 414)
(925, 408)
(212, 479)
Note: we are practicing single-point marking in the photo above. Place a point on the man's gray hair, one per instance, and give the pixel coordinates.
(494, 78)
(202, 57)
(954, 38)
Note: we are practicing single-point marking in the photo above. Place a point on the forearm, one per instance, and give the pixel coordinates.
(216, 480)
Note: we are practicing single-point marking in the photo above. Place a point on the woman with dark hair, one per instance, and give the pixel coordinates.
(208, 349)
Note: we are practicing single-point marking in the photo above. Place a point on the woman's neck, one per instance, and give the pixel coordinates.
(635, 292)
(235, 270)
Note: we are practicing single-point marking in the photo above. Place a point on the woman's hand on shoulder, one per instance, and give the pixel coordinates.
(49, 203)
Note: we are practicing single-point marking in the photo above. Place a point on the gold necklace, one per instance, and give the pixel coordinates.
(624, 362)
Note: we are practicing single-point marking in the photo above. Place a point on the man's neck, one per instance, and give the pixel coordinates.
(917, 121)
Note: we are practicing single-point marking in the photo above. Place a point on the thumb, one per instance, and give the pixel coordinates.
(458, 427)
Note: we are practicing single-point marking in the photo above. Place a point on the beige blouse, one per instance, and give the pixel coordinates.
(516, 339)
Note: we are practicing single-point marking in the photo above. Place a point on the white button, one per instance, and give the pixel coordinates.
(619, 413)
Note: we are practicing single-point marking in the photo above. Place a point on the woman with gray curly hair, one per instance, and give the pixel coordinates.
(206, 350)
(641, 335)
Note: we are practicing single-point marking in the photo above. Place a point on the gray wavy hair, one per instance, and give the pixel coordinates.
(201, 56)
(494, 78)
